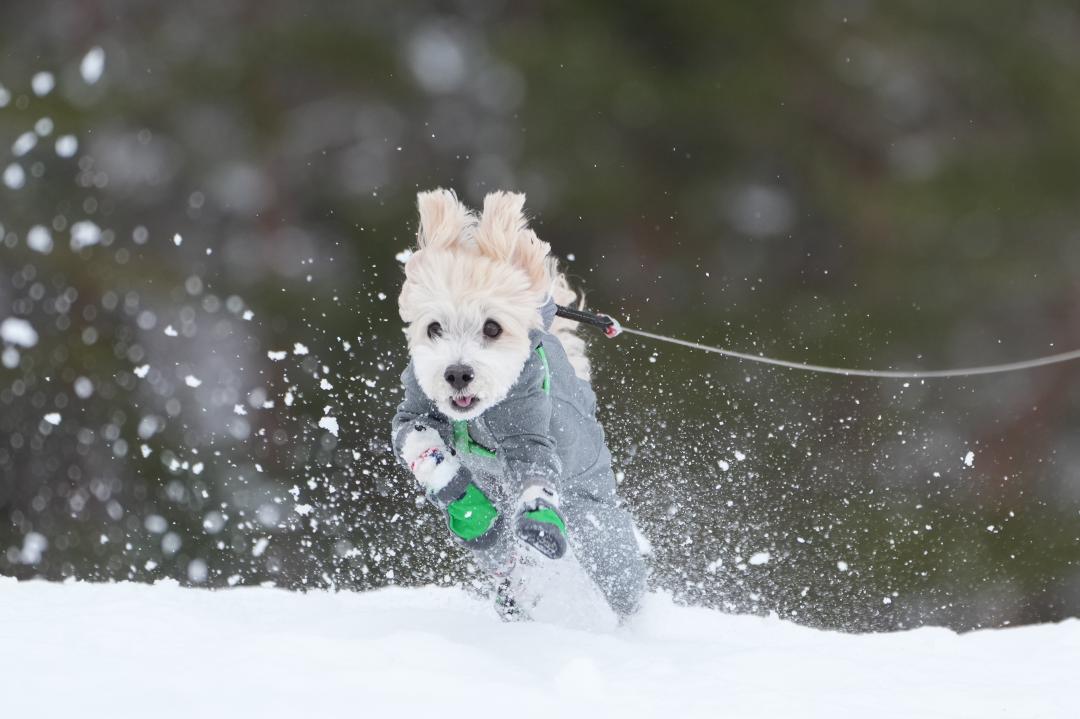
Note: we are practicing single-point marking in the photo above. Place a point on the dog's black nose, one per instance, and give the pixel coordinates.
(459, 375)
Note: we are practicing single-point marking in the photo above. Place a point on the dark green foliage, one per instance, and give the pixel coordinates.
(837, 181)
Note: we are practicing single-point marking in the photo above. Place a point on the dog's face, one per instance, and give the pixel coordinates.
(469, 304)
(468, 331)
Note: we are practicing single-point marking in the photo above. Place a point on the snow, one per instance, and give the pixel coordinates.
(84, 234)
(330, 424)
(24, 143)
(969, 459)
(67, 145)
(92, 65)
(34, 545)
(260, 547)
(84, 387)
(42, 83)
(253, 651)
(18, 331)
(759, 559)
(39, 239)
(53, 418)
(14, 176)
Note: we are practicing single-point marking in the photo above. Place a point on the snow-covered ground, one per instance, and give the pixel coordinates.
(128, 650)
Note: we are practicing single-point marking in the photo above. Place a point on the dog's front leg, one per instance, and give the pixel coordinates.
(539, 523)
(471, 516)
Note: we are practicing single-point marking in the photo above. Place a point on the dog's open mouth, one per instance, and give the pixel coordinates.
(464, 401)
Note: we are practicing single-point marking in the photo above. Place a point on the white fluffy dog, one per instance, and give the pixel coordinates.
(472, 295)
(498, 422)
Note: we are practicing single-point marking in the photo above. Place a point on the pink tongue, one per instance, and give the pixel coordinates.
(463, 402)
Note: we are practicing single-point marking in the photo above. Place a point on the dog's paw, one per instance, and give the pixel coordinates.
(539, 523)
(430, 460)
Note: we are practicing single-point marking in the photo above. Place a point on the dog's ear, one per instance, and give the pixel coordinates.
(504, 235)
(444, 220)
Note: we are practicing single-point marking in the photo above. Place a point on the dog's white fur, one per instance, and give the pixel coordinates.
(469, 269)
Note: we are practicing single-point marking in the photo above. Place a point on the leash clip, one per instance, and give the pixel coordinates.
(613, 328)
(605, 323)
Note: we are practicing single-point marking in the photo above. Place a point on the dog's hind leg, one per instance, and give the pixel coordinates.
(558, 591)
(602, 535)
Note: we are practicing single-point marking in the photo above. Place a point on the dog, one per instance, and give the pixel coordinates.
(498, 422)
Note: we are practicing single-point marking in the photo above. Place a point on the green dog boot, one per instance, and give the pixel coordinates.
(539, 524)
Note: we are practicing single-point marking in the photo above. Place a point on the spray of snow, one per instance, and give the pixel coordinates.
(19, 332)
(24, 143)
(42, 83)
(330, 424)
(92, 65)
(84, 234)
(67, 146)
(39, 239)
(14, 176)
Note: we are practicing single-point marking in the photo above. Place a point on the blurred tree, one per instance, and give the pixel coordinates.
(837, 181)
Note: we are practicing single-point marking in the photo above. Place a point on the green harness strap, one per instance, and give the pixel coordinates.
(464, 442)
(547, 369)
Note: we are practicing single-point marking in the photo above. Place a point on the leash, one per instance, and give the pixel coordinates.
(611, 328)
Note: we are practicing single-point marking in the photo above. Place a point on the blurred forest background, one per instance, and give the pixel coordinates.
(198, 265)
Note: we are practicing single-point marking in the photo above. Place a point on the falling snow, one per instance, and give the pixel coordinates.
(18, 332)
(330, 424)
(42, 83)
(39, 239)
(92, 66)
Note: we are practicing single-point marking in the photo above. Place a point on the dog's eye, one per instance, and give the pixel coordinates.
(492, 329)
(434, 330)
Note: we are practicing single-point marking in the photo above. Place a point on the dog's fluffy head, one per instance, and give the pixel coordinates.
(472, 294)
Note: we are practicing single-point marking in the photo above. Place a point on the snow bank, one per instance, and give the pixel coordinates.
(129, 650)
